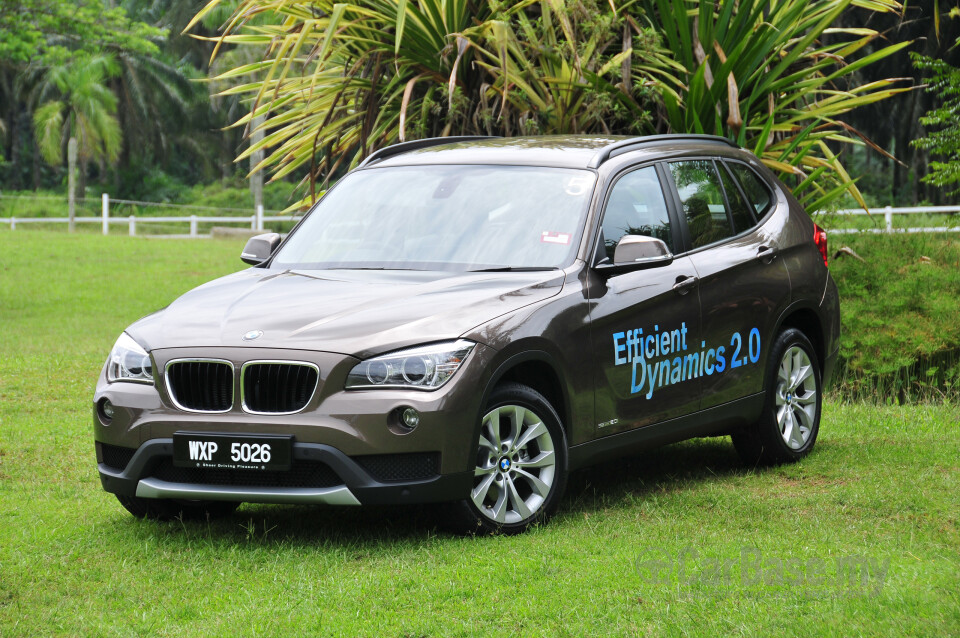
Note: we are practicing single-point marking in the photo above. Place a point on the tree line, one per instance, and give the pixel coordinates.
(824, 91)
(121, 80)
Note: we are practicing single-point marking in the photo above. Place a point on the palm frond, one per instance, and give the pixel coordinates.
(336, 80)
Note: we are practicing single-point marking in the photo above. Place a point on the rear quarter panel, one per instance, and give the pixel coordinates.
(808, 275)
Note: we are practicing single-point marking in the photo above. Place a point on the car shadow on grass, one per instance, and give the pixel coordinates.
(611, 484)
(662, 470)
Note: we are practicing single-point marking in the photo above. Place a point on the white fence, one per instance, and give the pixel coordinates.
(256, 220)
(889, 212)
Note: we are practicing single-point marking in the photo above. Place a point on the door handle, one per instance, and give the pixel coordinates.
(684, 284)
(767, 254)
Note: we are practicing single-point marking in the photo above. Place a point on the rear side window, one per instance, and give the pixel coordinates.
(701, 196)
(756, 190)
(739, 210)
(636, 207)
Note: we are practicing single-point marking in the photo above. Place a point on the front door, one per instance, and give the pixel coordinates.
(645, 324)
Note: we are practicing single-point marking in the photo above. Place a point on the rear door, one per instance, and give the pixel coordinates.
(743, 284)
(645, 323)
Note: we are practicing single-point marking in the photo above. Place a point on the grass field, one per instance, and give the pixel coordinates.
(861, 538)
(900, 311)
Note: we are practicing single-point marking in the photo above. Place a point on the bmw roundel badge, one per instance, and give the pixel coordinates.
(253, 334)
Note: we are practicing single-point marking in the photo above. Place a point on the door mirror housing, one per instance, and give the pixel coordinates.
(634, 249)
(637, 252)
(259, 248)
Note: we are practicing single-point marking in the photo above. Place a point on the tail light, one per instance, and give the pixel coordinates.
(820, 239)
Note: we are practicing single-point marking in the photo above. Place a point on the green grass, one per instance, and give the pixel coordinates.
(882, 486)
(900, 310)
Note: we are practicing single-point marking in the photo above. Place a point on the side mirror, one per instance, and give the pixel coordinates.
(636, 252)
(259, 248)
(641, 251)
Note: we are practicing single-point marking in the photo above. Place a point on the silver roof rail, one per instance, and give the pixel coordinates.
(618, 148)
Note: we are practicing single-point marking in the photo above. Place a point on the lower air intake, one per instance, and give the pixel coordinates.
(401, 467)
(115, 456)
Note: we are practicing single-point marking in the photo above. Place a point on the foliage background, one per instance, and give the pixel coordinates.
(340, 79)
(516, 73)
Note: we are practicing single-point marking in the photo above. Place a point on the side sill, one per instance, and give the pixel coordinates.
(717, 420)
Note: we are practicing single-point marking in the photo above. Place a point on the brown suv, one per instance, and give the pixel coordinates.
(467, 320)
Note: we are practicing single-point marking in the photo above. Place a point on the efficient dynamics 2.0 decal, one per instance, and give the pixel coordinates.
(660, 358)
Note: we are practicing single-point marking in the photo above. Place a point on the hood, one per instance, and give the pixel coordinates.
(355, 312)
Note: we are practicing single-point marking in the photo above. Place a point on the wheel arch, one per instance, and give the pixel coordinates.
(538, 370)
(805, 318)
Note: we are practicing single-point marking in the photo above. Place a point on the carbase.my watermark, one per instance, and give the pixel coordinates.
(696, 573)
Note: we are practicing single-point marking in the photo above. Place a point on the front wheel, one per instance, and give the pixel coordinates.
(788, 426)
(520, 464)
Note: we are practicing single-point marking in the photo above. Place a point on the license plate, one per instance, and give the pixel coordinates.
(232, 451)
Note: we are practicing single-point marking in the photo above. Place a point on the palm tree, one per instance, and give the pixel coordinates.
(154, 102)
(75, 104)
(163, 112)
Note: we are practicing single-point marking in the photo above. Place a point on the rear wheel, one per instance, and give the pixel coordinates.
(788, 426)
(163, 509)
(520, 464)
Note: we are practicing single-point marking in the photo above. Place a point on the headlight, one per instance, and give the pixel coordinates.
(422, 368)
(129, 362)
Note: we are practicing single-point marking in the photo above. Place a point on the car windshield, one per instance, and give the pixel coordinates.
(444, 218)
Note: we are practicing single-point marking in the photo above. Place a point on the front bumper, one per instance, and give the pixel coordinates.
(347, 450)
(321, 474)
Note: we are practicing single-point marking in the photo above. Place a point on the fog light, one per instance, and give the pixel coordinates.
(410, 418)
(107, 410)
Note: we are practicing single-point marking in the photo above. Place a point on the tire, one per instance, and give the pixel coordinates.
(788, 426)
(521, 465)
(161, 509)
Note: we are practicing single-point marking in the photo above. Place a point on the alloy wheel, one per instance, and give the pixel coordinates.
(796, 398)
(516, 465)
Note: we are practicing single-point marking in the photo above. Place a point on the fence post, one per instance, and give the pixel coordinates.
(133, 225)
(105, 213)
(888, 218)
(72, 183)
(259, 216)
(193, 225)
(13, 223)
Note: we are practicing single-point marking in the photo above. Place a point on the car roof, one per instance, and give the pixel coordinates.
(568, 151)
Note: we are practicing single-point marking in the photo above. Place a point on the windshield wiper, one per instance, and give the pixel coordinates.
(515, 269)
(371, 268)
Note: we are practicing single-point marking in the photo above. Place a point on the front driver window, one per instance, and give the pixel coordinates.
(636, 207)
